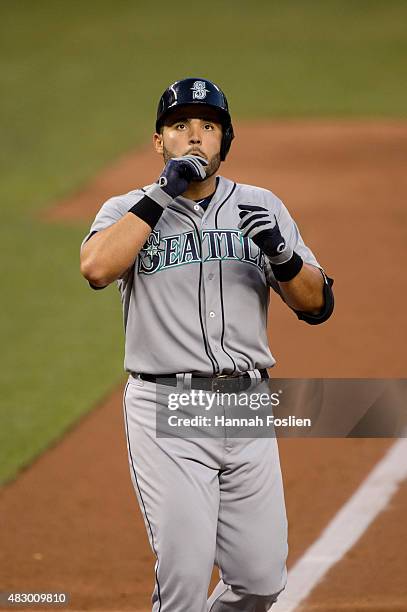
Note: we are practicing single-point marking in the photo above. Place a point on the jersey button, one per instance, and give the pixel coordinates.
(197, 207)
(212, 314)
(210, 276)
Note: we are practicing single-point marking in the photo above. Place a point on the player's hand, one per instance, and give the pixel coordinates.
(179, 172)
(257, 223)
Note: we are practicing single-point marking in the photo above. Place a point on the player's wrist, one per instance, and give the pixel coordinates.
(159, 195)
(276, 256)
(171, 189)
(285, 270)
(152, 205)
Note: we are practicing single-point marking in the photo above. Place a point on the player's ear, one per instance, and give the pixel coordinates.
(158, 143)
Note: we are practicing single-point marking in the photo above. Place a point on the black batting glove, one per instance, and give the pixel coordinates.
(257, 223)
(174, 180)
(179, 172)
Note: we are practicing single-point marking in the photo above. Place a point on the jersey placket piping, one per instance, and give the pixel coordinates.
(204, 331)
(221, 285)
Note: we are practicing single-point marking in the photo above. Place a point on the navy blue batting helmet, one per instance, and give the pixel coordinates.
(197, 91)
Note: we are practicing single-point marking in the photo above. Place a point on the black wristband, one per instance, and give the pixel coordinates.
(286, 271)
(147, 210)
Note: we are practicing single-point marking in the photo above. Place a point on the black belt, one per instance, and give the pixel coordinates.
(211, 383)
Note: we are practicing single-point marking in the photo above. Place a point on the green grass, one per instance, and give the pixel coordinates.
(80, 82)
(62, 342)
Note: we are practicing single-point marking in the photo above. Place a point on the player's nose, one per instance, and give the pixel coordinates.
(194, 133)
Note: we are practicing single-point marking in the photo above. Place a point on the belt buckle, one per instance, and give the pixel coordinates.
(220, 383)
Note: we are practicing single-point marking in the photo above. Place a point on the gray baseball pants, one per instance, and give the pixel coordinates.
(206, 501)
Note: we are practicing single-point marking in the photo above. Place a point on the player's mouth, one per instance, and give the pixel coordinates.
(198, 153)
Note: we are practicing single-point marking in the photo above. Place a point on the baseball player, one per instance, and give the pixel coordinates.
(194, 256)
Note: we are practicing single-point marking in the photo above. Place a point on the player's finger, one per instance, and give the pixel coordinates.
(249, 213)
(201, 160)
(254, 217)
(196, 166)
(250, 208)
(256, 227)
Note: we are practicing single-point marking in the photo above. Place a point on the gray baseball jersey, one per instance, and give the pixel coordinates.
(196, 298)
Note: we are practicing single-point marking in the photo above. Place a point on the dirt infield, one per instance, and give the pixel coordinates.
(71, 522)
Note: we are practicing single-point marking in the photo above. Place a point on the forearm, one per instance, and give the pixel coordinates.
(110, 252)
(305, 291)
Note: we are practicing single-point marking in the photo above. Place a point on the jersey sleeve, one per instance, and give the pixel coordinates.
(112, 211)
(291, 233)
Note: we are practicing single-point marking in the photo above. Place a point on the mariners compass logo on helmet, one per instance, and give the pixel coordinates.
(199, 90)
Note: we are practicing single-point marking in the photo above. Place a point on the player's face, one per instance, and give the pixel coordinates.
(185, 133)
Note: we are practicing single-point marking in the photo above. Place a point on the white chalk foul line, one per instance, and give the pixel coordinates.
(346, 527)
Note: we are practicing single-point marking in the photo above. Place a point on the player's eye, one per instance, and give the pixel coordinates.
(208, 126)
(180, 126)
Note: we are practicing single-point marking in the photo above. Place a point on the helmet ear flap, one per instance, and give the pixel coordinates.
(227, 138)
